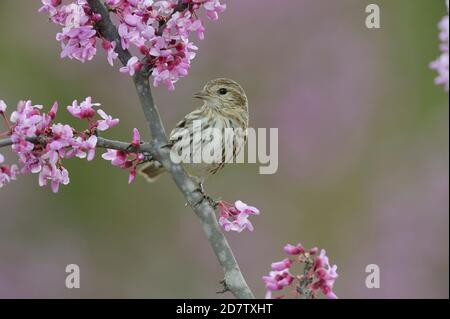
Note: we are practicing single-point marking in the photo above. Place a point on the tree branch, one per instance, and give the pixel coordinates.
(147, 148)
(108, 30)
(200, 205)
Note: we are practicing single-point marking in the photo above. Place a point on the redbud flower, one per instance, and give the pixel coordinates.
(117, 158)
(213, 8)
(107, 122)
(111, 54)
(132, 175)
(136, 138)
(56, 141)
(235, 218)
(128, 161)
(277, 280)
(158, 31)
(7, 173)
(441, 64)
(82, 148)
(294, 250)
(316, 276)
(84, 110)
(132, 66)
(53, 111)
(282, 265)
(55, 175)
(2, 106)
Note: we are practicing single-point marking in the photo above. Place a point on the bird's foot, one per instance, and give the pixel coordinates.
(225, 287)
(214, 203)
(130, 148)
(147, 157)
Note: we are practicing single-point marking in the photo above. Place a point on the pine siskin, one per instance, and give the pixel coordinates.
(225, 105)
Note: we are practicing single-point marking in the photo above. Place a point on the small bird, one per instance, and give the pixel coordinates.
(225, 105)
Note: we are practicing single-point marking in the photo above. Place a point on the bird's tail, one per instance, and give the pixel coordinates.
(152, 171)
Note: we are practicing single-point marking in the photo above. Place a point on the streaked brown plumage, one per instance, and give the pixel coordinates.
(225, 105)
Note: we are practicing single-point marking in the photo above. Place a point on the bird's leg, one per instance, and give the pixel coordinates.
(225, 287)
(201, 189)
(211, 201)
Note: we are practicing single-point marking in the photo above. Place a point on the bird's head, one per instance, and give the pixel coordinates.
(223, 93)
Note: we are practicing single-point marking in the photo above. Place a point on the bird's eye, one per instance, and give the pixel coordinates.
(223, 91)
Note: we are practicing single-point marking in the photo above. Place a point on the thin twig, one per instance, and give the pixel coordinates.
(200, 205)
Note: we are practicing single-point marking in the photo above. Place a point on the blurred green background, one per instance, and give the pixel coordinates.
(363, 166)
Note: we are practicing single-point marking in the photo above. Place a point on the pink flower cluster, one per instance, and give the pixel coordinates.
(41, 144)
(441, 65)
(159, 30)
(7, 173)
(317, 274)
(127, 160)
(235, 217)
(78, 36)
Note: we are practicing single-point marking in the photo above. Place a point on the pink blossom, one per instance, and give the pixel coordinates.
(62, 136)
(55, 175)
(132, 175)
(136, 138)
(117, 158)
(84, 110)
(110, 49)
(277, 280)
(198, 27)
(124, 160)
(77, 37)
(294, 250)
(57, 141)
(441, 64)
(244, 208)
(317, 274)
(78, 43)
(282, 265)
(53, 111)
(50, 6)
(132, 66)
(2, 106)
(213, 8)
(83, 148)
(235, 218)
(107, 122)
(161, 33)
(28, 119)
(7, 173)
(90, 146)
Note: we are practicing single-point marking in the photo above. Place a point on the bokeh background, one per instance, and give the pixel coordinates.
(363, 167)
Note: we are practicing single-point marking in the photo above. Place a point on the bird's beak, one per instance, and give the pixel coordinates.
(202, 95)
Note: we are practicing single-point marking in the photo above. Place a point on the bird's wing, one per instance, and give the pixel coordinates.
(185, 124)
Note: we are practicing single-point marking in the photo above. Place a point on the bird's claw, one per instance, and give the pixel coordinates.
(214, 203)
(147, 157)
(206, 197)
(130, 148)
(225, 287)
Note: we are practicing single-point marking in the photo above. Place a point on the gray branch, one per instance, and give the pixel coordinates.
(147, 148)
(200, 205)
